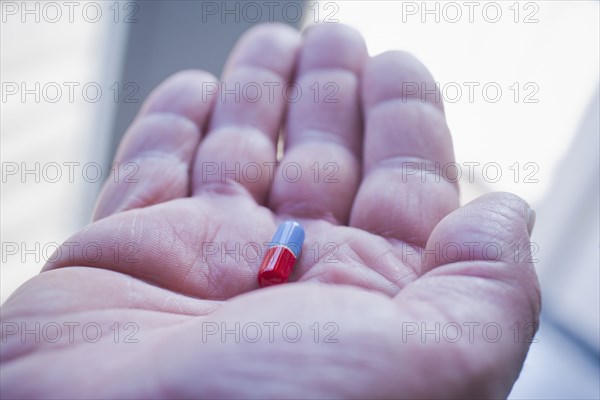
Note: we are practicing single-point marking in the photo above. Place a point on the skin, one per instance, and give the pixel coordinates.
(379, 263)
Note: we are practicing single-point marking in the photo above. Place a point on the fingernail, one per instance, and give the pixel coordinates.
(530, 220)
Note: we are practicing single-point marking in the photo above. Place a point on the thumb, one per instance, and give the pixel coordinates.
(478, 300)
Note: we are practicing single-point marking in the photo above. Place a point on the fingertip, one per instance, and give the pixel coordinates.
(268, 29)
(411, 79)
(507, 204)
(482, 230)
(272, 46)
(495, 206)
(159, 133)
(332, 32)
(333, 46)
(401, 59)
(187, 93)
(519, 207)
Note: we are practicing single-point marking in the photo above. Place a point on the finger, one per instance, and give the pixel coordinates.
(241, 144)
(153, 162)
(194, 246)
(480, 230)
(484, 304)
(407, 152)
(319, 173)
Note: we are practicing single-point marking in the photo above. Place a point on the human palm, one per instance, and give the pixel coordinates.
(388, 254)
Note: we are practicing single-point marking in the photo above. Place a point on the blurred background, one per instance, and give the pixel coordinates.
(520, 81)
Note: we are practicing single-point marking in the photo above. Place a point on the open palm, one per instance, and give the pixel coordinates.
(175, 246)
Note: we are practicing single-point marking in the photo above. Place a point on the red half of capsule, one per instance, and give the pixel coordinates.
(276, 266)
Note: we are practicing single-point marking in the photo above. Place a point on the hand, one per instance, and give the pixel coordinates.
(171, 260)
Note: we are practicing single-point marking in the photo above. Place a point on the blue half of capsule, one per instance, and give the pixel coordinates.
(291, 235)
